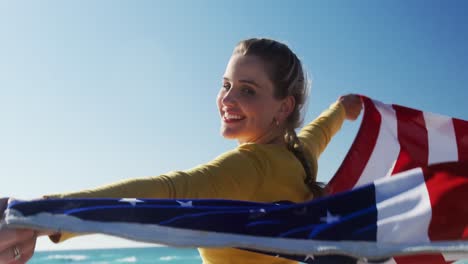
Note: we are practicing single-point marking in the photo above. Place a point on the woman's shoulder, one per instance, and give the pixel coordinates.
(253, 151)
(262, 148)
(258, 155)
(265, 153)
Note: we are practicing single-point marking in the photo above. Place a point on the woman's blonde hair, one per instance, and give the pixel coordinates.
(286, 72)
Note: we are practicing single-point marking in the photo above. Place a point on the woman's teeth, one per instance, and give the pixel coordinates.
(231, 116)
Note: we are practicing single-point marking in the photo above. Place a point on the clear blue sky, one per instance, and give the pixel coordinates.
(96, 91)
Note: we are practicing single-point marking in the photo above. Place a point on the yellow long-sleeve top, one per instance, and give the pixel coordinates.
(251, 172)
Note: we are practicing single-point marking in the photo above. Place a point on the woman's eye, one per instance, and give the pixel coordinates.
(248, 91)
(226, 86)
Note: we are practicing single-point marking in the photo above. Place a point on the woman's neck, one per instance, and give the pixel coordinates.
(274, 138)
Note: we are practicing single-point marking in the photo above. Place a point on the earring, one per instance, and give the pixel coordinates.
(276, 122)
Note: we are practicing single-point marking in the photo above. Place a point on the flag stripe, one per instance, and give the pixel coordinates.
(386, 148)
(412, 135)
(390, 261)
(454, 256)
(448, 183)
(404, 213)
(441, 138)
(356, 159)
(461, 132)
(421, 259)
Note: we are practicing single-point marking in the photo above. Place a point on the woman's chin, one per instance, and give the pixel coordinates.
(229, 134)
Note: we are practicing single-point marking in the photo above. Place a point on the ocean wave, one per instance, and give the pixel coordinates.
(67, 257)
(168, 258)
(128, 259)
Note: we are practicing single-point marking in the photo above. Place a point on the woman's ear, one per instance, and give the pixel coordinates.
(286, 108)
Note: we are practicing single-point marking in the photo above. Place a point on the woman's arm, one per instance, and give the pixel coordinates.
(234, 175)
(316, 135)
(229, 176)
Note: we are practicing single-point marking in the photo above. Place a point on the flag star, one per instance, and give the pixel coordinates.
(330, 218)
(301, 211)
(363, 261)
(310, 256)
(256, 213)
(185, 204)
(132, 201)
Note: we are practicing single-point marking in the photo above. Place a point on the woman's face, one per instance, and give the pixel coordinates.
(246, 103)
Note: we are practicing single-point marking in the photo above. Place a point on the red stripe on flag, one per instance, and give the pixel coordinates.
(412, 135)
(461, 133)
(356, 159)
(447, 185)
(421, 259)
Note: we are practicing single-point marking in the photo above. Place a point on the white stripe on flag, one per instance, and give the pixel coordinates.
(365, 261)
(386, 148)
(390, 261)
(441, 136)
(454, 256)
(403, 208)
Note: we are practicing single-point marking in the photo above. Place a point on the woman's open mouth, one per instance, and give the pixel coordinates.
(232, 118)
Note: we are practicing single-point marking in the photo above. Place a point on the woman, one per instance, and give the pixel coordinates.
(263, 92)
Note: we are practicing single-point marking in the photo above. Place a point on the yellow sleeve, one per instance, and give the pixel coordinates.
(316, 135)
(234, 175)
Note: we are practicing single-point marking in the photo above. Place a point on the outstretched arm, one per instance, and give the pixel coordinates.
(233, 175)
(229, 176)
(316, 135)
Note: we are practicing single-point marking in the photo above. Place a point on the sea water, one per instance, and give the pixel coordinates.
(166, 255)
(119, 255)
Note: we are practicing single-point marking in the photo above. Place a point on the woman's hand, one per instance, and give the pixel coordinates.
(16, 245)
(352, 104)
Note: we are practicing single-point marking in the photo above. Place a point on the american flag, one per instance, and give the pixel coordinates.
(399, 197)
(394, 139)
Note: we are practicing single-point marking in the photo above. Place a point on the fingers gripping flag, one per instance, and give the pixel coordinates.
(389, 203)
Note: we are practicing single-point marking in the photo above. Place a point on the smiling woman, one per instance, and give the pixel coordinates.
(260, 102)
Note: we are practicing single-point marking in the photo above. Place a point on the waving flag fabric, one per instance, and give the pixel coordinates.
(401, 191)
(393, 139)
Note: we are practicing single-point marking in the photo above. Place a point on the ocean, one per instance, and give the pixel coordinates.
(167, 255)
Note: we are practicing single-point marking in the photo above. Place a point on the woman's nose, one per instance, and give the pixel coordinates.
(229, 97)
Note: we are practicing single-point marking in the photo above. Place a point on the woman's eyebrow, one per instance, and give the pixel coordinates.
(251, 82)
